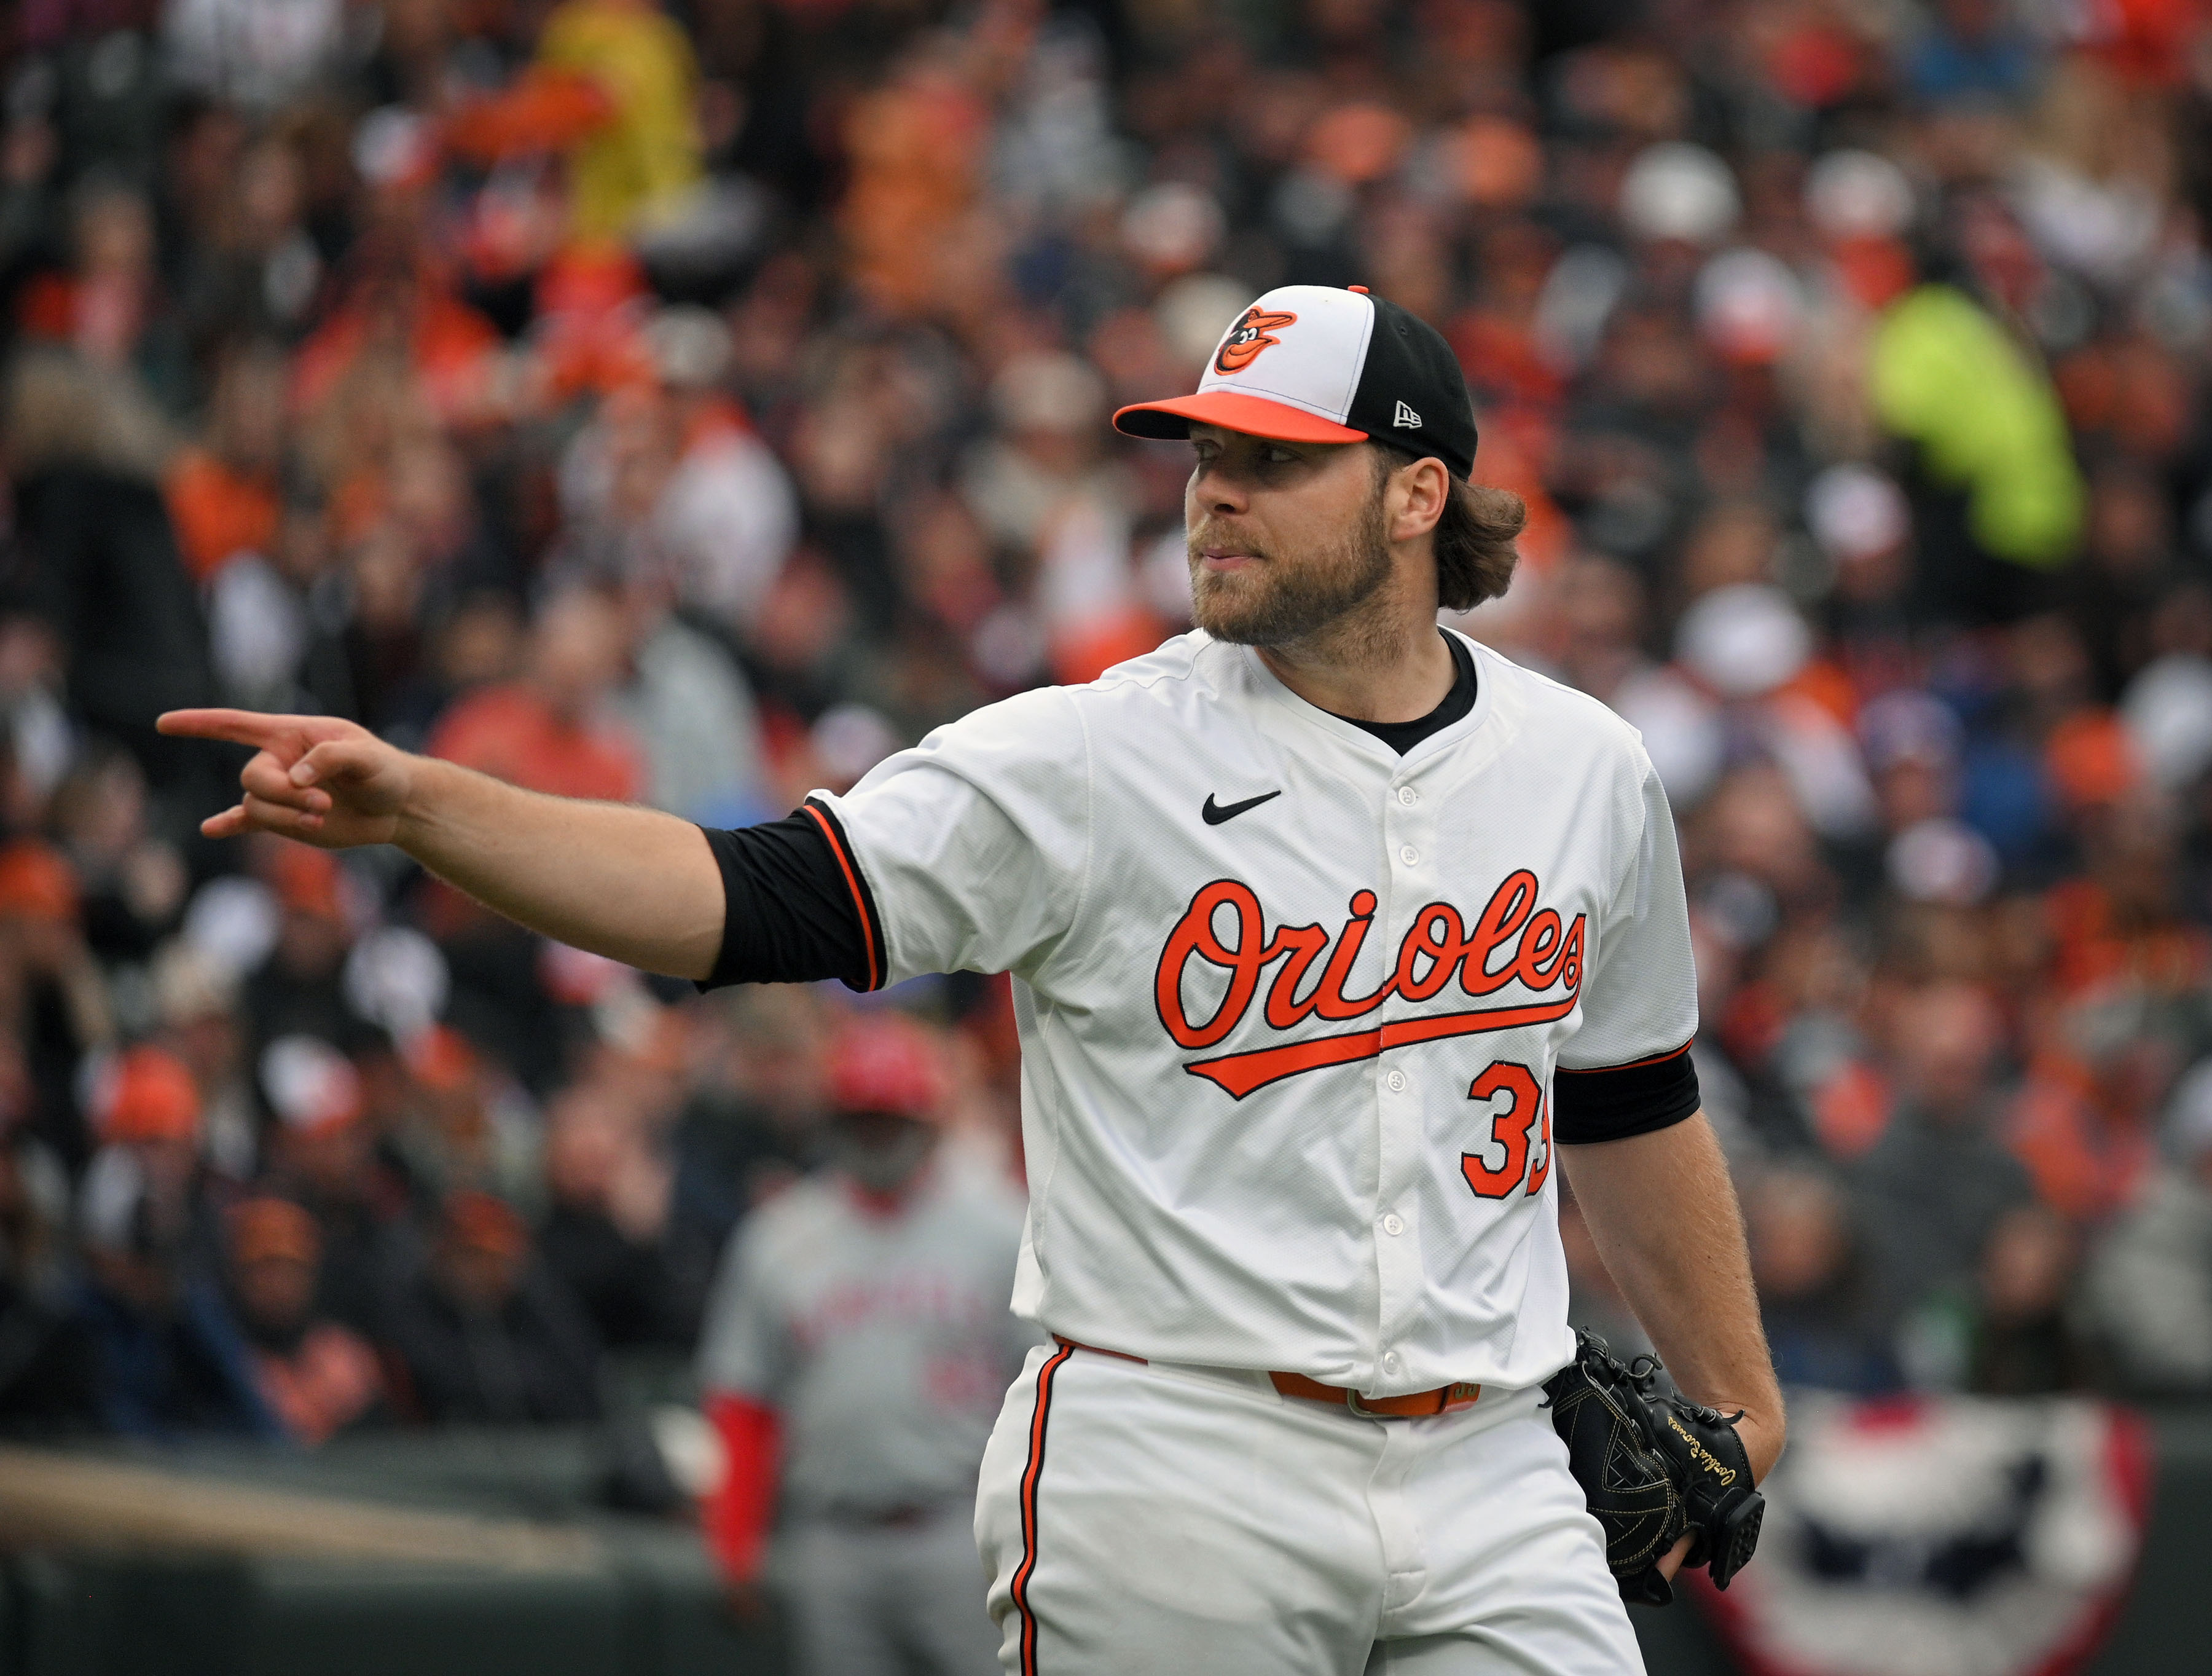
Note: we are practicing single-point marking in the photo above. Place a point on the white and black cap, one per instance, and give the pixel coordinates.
(1310, 363)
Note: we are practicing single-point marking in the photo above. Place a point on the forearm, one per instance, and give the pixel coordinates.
(633, 884)
(1663, 1215)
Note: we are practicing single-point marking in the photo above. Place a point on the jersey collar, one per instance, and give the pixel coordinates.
(1490, 673)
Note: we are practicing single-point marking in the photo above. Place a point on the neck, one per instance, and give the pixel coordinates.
(1384, 662)
(885, 1202)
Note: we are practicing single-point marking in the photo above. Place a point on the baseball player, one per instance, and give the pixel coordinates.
(858, 1347)
(1326, 926)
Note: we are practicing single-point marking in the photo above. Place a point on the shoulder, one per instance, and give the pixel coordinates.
(1031, 742)
(678, 657)
(977, 1193)
(1033, 716)
(1554, 716)
(1188, 663)
(800, 1218)
(1187, 679)
(1048, 727)
(1183, 659)
(675, 643)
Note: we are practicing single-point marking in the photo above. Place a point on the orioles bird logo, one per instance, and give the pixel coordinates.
(1251, 334)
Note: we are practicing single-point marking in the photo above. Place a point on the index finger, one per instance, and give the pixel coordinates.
(239, 727)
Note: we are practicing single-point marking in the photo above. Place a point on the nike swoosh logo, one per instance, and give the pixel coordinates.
(1215, 814)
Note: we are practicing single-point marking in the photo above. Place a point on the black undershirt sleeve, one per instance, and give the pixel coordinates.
(1615, 1102)
(793, 911)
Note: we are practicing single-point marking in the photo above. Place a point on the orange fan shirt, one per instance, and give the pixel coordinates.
(511, 734)
(217, 511)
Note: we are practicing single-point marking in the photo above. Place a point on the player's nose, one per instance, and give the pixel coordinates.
(1214, 489)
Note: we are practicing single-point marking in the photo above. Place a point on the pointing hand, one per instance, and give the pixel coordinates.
(325, 781)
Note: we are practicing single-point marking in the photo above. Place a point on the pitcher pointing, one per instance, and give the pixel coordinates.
(1327, 925)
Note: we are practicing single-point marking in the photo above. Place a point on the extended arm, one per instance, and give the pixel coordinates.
(633, 884)
(1663, 1215)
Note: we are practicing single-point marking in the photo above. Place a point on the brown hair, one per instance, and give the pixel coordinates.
(1474, 534)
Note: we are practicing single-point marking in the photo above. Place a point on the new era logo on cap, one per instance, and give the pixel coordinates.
(1314, 364)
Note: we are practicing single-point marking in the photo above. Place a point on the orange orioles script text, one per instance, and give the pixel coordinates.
(1546, 955)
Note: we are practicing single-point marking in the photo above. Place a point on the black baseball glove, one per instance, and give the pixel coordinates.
(1653, 1466)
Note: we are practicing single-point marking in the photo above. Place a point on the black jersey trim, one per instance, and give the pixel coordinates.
(864, 899)
(1613, 1102)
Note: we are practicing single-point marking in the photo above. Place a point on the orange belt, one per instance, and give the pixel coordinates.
(1444, 1399)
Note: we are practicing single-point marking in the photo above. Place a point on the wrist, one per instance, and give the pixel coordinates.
(1764, 1436)
(1761, 1429)
(423, 780)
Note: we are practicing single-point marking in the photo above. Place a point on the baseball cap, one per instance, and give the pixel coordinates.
(888, 1062)
(1310, 363)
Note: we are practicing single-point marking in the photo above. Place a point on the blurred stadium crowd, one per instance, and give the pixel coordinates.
(696, 405)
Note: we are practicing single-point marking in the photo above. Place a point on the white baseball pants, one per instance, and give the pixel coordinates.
(1144, 1519)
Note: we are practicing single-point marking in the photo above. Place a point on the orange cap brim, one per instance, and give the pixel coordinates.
(1255, 416)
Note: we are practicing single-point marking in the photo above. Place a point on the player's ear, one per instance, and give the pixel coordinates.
(1416, 494)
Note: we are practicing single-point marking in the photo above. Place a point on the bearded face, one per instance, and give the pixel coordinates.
(1297, 581)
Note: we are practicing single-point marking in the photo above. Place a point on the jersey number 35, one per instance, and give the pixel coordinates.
(1526, 1113)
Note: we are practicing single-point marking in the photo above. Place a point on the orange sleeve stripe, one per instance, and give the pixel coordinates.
(1599, 1070)
(852, 883)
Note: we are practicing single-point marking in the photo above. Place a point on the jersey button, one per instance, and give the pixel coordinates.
(1407, 796)
(1397, 1080)
(1390, 1363)
(1409, 855)
(1393, 1224)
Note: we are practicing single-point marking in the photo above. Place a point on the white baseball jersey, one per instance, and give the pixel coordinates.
(885, 1339)
(1290, 1004)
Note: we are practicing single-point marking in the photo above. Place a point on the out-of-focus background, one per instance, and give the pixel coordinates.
(698, 403)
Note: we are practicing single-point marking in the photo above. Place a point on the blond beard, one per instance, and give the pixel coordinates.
(1278, 602)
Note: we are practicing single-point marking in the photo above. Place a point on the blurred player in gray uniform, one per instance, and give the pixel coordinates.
(858, 1346)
